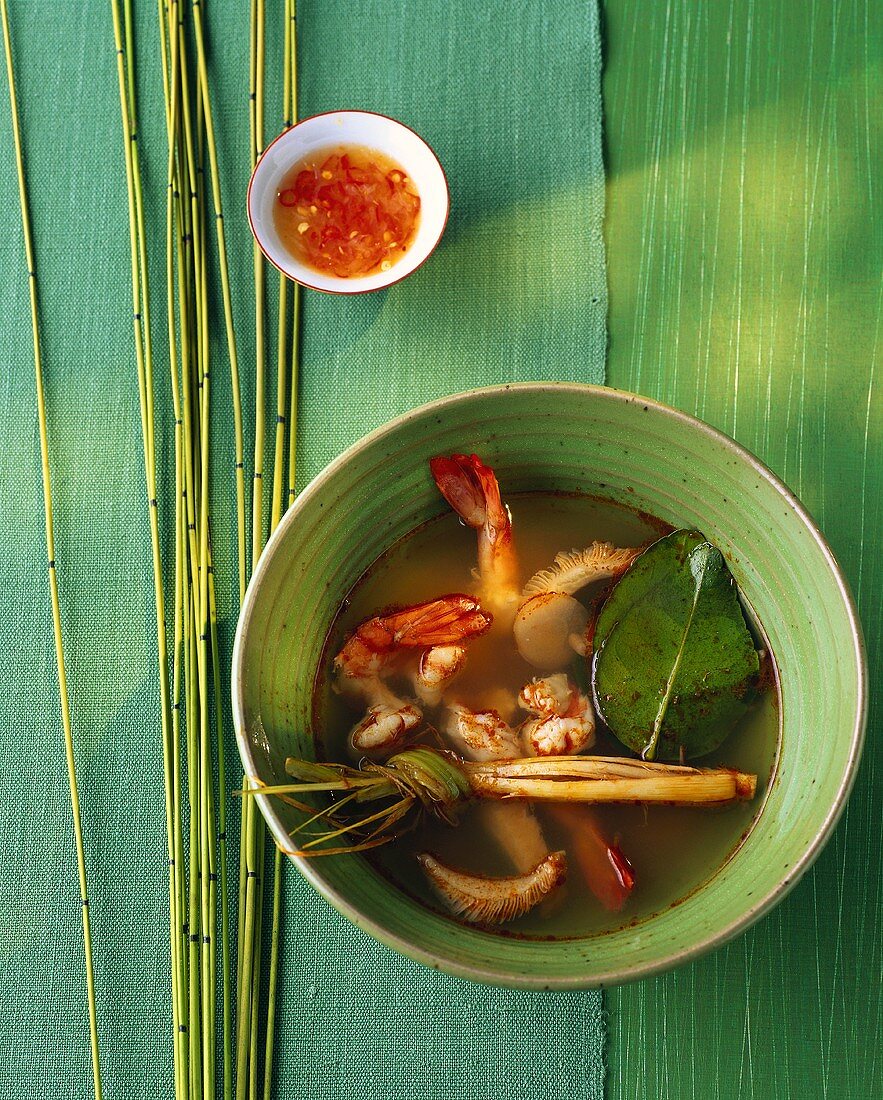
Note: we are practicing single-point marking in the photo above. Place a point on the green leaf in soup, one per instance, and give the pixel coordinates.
(674, 660)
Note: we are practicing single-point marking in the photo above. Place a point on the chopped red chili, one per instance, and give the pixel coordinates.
(347, 213)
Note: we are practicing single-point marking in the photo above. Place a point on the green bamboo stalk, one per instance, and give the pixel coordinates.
(256, 974)
(289, 111)
(202, 79)
(211, 147)
(256, 100)
(222, 840)
(194, 923)
(50, 549)
(275, 937)
(251, 869)
(144, 367)
(297, 292)
(182, 1078)
(170, 87)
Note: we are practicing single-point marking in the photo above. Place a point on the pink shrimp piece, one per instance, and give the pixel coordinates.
(371, 651)
(438, 669)
(565, 722)
(472, 490)
(481, 735)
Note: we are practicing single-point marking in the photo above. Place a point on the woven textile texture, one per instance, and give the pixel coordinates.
(745, 222)
(509, 96)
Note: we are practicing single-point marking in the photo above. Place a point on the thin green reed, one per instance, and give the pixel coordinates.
(50, 547)
(144, 368)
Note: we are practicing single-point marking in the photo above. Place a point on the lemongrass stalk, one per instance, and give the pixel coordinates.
(424, 778)
(671, 790)
(50, 550)
(144, 368)
(607, 779)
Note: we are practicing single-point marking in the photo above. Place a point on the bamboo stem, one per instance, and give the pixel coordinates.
(275, 936)
(256, 102)
(50, 551)
(289, 112)
(144, 367)
(211, 148)
(291, 43)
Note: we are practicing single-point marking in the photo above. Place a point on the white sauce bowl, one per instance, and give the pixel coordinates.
(391, 138)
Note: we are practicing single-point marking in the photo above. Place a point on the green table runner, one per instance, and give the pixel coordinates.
(745, 223)
(509, 97)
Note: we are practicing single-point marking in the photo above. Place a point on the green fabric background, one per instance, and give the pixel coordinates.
(510, 99)
(745, 253)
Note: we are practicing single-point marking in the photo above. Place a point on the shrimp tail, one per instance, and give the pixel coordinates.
(605, 868)
(472, 490)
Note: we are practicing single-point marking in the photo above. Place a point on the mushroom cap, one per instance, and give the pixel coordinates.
(549, 629)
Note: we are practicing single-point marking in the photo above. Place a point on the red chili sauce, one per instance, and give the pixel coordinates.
(347, 211)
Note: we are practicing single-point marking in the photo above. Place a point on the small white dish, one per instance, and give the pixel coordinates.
(392, 139)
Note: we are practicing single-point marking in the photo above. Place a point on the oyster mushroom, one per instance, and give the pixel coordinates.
(550, 625)
(484, 736)
(486, 900)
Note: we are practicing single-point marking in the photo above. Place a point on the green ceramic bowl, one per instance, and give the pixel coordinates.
(573, 439)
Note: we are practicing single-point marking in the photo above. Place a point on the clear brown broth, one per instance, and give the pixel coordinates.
(672, 850)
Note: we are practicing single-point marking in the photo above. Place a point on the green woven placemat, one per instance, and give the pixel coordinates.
(746, 228)
(509, 97)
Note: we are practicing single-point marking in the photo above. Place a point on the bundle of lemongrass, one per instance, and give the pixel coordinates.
(423, 779)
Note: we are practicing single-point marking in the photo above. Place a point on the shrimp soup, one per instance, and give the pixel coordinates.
(659, 854)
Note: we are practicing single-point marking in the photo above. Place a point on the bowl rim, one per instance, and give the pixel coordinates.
(343, 290)
(614, 977)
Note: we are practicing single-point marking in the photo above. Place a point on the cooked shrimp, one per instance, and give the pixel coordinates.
(565, 722)
(565, 725)
(437, 670)
(472, 490)
(481, 735)
(550, 625)
(371, 651)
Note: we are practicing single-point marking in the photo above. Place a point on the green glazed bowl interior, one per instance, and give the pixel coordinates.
(630, 450)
